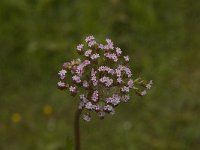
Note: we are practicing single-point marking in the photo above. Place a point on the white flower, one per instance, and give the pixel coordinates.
(85, 84)
(76, 78)
(92, 43)
(80, 47)
(86, 118)
(81, 105)
(126, 58)
(109, 41)
(89, 106)
(111, 56)
(94, 56)
(119, 80)
(101, 46)
(62, 74)
(130, 83)
(89, 38)
(88, 53)
(95, 96)
(109, 44)
(108, 108)
(82, 96)
(118, 51)
(61, 84)
(128, 71)
(72, 89)
(125, 98)
(114, 100)
(118, 72)
(107, 81)
(143, 93)
(148, 86)
(125, 89)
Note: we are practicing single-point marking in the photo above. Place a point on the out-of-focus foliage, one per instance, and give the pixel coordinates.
(163, 40)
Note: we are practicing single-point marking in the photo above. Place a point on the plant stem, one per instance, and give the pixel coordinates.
(77, 129)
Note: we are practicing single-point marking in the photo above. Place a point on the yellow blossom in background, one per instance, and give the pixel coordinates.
(16, 118)
(48, 109)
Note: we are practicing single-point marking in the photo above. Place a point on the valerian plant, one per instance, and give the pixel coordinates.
(102, 79)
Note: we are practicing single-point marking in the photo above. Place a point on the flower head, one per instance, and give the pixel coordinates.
(102, 78)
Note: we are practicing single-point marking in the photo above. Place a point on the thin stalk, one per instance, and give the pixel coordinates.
(77, 129)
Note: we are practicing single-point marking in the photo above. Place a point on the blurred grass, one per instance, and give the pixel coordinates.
(162, 38)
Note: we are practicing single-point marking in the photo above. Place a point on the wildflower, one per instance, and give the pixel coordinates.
(82, 96)
(88, 53)
(109, 44)
(95, 96)
(125, 89)
(81, 105)
(109, 41)
(93, 77)
(126, 58)
(91, 43)
(102, 79)
(96, 108)
(119, 80)
(130, 83)
(107, 81)
(61, 85)
(114, 100)
(76, 78)
(80, 47)
(107, 69)
(89, 38)
(62, 74)
(89, 106)
(118, 72)
(118, 51)
(108, 108)
(80, 67)
(85, 84)
(112, 57)
(101, 46)
(143, 93)
(148, 86)
(73, 90)
(125, 98)
(86, 118)
(128, 72)
(95, 56)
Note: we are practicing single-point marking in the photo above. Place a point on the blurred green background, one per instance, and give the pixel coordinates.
(161, 37)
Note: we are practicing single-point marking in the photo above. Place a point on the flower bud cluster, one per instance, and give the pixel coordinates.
(101, 78)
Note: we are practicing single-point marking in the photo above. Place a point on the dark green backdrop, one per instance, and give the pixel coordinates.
(161, 36)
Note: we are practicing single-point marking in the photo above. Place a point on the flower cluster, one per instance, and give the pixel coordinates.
(102, 78)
